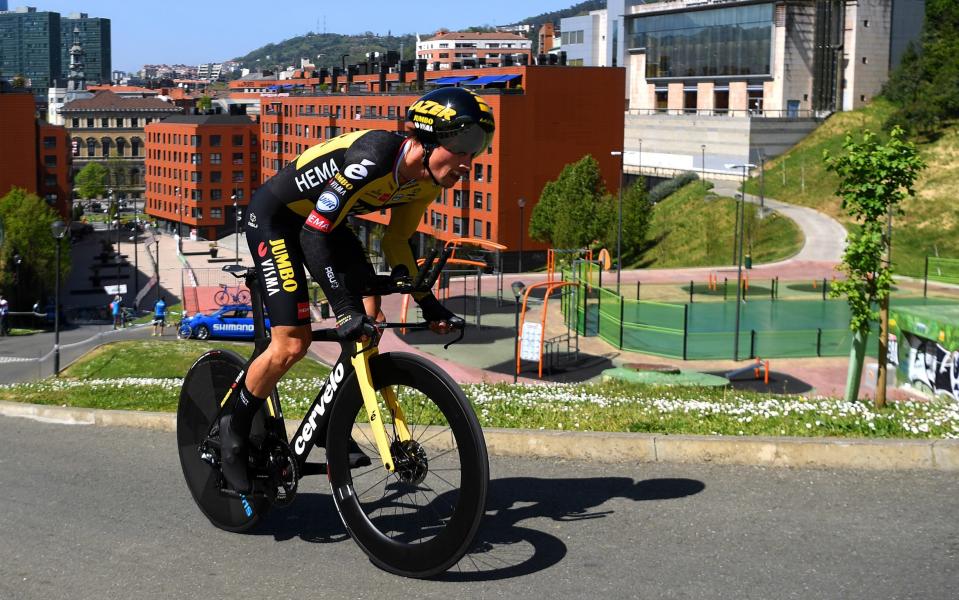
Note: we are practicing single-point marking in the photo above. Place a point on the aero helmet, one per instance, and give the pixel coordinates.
(454, 118)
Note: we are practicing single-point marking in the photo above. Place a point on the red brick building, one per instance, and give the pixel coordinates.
(194, 165)
(546, 117)
(35, 155)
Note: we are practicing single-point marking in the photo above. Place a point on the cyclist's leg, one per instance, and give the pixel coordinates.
(286, 297)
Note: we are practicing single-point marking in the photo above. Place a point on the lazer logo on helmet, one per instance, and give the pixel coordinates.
(280, 273)
(436, 109)
(319, 409)
(314, 176)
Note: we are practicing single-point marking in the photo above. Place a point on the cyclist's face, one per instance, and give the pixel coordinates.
(448, 167)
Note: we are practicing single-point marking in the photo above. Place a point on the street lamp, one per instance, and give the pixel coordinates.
(236, 227)
(136, 262)
(518, 288)
(702, 166)
(156, 259)
(740, 208)
(59, 229)
(119, 255)
(521, 203)
(17, 259)
(179, 229)
(619, 229)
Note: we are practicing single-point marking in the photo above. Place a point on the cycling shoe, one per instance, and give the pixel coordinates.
(234, 456)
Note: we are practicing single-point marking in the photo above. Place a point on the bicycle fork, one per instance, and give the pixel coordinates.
(361, 364)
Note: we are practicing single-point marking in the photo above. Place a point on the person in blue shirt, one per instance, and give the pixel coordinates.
(159, 317)
(115, 311)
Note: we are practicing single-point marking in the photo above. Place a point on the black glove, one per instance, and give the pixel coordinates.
(354, 325)
(433, 311)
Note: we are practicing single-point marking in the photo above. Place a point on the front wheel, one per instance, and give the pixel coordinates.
(419, 520)
(184, 331)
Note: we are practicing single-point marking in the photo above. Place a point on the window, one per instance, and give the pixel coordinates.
(50, 161)
(238, 193)
(76, 123)
(489, 173)
(196, 159)
(489, 202)
(50, 180)
(238, 139)
(478, 200)
(477, 228)
(134, 122)
(90, 122)
(196, 212)
(215, 141)
(216, 158)
(477, 172)
(237, 176)
(457, 198)
(195, 140)
(104, 122)
(216, 176)
(196, 176)
(457, 226)
(135, 147)
(489, 230)
(216, 213)
(196, 194)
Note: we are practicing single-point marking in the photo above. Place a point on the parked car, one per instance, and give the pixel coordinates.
(232, 321)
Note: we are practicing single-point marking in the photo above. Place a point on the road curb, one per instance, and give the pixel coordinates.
(832, 453)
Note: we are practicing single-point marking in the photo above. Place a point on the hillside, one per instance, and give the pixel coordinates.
(690, 230)
(929, 222)
(327, 49)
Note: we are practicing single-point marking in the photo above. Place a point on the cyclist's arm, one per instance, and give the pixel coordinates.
(404, 219)
(403, 222)
(333, 203)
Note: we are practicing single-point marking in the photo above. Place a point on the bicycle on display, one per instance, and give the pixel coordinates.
(416, 509)
(227, 295)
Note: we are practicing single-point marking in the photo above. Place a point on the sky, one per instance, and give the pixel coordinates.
(193, 32)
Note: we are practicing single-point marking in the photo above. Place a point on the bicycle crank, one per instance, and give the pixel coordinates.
(278, 472)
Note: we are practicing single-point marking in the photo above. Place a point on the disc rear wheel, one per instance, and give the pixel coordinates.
(204, 388)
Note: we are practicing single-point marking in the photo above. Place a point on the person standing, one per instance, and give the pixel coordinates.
(159, 317)
(4, 309)
(115, 311)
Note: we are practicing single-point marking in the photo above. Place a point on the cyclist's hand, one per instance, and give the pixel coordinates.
(446, 326)
(355, 326)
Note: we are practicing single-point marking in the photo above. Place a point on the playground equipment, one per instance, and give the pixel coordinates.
(533, 344)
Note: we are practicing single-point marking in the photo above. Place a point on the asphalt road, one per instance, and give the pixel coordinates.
(103, 513)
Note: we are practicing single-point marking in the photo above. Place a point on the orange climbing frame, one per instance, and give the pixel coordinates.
(550, 286)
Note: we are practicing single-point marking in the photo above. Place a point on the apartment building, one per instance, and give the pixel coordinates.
(196, 166)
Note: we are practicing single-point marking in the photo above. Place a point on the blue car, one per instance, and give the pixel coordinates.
(233, 321)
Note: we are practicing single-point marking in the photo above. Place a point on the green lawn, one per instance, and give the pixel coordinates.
(929, 222)
(693, 229)
(146, 375)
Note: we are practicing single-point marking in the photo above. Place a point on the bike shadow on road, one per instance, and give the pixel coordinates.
(504, 547)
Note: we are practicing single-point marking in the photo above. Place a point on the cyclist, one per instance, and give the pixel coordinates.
(299, 217)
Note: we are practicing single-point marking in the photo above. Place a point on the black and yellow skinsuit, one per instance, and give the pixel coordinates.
(299, 218)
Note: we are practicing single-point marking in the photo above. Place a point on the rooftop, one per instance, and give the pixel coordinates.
(106, 100)
(214, 119)
(470, 35)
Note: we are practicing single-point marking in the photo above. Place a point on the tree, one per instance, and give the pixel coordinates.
(637, 211)
(205, 103)
(27, 220)
(19, 82)
(91, 180)
(925, 85)
(873, 178)
(570, 212)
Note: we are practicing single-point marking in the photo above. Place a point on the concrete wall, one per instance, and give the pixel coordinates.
(868, 31)
(798, 50)
(672, 143)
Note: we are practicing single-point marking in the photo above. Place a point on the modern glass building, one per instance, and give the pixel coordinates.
(720, 42)
(95, 39)
(30, 46)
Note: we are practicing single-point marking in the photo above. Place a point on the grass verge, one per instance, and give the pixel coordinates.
(928, 223)
(105, 379)
(693, 229)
